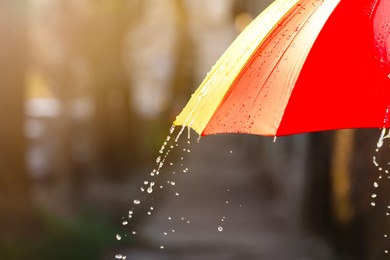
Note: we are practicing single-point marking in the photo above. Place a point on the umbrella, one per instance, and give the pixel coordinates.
(300, 66)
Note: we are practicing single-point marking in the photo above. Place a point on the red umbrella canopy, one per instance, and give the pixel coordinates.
(301, 66)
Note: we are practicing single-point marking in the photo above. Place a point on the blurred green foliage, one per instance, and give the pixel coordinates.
(83, 237)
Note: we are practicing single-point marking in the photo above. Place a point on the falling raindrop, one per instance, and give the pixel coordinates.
(171, 130)
(374, 161)
(180, 133)
(158, 160)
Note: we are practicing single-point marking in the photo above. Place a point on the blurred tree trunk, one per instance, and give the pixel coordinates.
(116, 125)
(317, 208)
(16, 208)
(182, 76)
(91, 69)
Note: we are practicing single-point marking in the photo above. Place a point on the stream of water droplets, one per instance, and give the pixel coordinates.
(145, 201)
(383, 170)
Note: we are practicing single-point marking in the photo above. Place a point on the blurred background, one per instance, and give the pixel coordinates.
(89, 90)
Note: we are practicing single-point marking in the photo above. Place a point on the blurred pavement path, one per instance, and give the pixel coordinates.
(223, 190)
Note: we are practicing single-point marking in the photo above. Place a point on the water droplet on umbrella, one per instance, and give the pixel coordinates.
(161, 247)
(137, 202)
(118, 256)
(220, 229)
(124, 223)
(118, 237)
(373, 195)
(373, 204)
